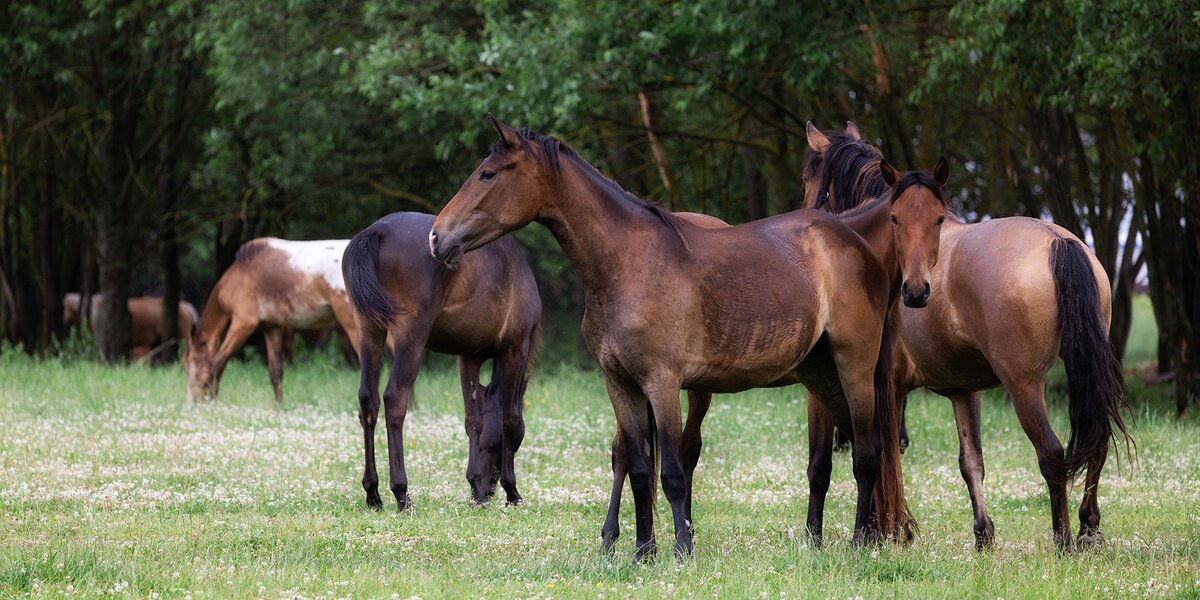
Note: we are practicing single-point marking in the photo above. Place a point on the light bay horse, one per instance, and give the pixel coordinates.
(670, 305)
(145, 317)
(486, 308)
(998, 303)
(273, 285)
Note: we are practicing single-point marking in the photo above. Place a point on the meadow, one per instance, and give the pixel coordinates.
(111, 483)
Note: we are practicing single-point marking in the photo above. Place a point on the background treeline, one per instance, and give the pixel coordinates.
(143, 141)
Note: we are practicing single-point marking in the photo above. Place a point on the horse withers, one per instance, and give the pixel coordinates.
(485, 308)
(273, 285)
(670, 305)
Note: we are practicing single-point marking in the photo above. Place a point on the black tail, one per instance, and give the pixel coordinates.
(891, 507)
(360, 266)
(1095, 385)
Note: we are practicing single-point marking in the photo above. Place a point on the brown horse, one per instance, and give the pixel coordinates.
(1008, 297)
(670, 305)
(145, 317)
(487, 308)
(273, 284)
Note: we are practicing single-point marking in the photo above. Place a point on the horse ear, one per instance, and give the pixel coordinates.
(941, 171)
(890, 175)
(508, 135)
(853, 132)
(816, 140)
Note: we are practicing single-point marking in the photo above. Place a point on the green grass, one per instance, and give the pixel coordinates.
(110, 482)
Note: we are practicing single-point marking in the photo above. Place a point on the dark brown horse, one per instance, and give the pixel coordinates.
(1001, 301)
(670, 305)
(486, 308)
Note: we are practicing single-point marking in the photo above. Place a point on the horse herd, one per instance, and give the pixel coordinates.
(883, 291)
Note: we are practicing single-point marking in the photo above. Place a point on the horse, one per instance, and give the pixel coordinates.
(670, 306)
(273, 284)
(145, 317)
(1013, 294)
(485, 308)
(914, 194)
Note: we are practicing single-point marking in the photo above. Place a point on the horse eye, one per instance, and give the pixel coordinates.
(893, 217)
(487, 175)
(941, 220)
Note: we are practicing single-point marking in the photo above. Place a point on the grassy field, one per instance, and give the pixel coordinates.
(111, 484)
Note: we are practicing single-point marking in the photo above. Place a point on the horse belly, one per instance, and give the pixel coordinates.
(297, 315)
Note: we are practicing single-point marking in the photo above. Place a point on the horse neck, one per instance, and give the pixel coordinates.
(215, 318)
(873, 224)
(599, 225)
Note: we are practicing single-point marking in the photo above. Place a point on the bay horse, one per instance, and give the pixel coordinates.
(670, 305)
(273, 285)
(1012, 295)
(145, 318)
(485, 308)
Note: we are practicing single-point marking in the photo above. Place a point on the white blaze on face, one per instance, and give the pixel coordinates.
(319, 258)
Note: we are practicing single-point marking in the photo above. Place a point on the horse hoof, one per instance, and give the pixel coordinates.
(645, 552)
(403, 504)
(374, 502)
(517, 501)
(608, 543)
(1089, 540)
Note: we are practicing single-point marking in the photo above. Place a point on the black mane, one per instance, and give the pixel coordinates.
(849, 171)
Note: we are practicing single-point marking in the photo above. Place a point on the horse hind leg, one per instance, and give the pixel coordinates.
(406, 362)
(1030, 404)
(970, 463)
(1089, 508)
(372, 338)
(275, 340)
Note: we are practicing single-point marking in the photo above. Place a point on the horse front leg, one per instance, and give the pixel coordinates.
(474, 397)
(820, 466)
(512, 369)
(620, 468)
(663, 395)
(698, 403)
(634, 423)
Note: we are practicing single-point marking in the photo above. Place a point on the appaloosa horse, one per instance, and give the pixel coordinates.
(996, 305)
(486, 308)
(145, 318)
(670, 305)
(273, 284)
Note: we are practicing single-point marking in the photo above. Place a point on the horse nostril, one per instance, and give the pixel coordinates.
(904, 288)
(928, 290)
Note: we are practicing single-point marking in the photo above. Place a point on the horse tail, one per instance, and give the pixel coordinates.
(360, 267)
(891, 508)
(1095, 385)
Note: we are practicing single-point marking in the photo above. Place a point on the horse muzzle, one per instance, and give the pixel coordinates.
(915, 300)
(448, 253)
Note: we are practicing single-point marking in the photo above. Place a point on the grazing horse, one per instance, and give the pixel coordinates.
(999, 302)
(273, 284)
(486, 308)
(670, 305)
(145, 316)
